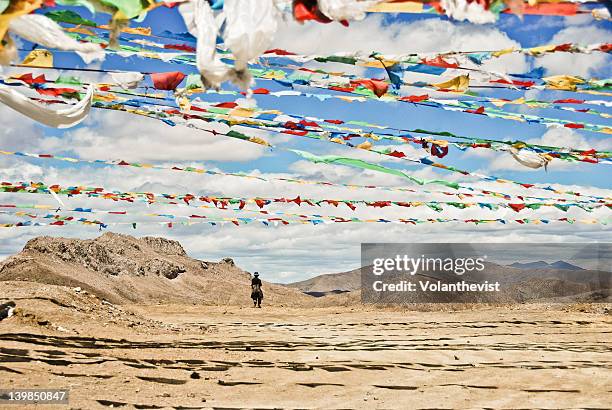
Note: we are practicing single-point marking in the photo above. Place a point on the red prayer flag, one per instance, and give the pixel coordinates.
(397, 154)
(563, 47)
(378, 87)
(573, 125)
(304, 10)
(415, 98)
(342, 89)
(517, 207)
(479, 110)
(279, 52)
(606, 48)
(167, 81)
(515, 82)
(308, 123)
(551, 9)
(300, 133)
(56, 91)
(182, 47)
(439, 62)
(228, 104)
(568, 101)
(28, 79)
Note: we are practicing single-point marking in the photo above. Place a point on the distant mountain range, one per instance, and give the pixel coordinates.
(520, 282)
(544, 265)
(124, 269)
(330, 282)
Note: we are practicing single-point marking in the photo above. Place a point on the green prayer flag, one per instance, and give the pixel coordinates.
(69, 16)
(357, 163)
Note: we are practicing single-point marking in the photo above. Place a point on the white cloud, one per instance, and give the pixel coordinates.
(17, 131)
(371, 34)
(284, 253)
(556, 137)
(577, 64)
(136, 138)
(277, 252)
(307, 250)
(565, 137)
(579, 19)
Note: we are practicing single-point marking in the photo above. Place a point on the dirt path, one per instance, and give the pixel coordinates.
(320, 358)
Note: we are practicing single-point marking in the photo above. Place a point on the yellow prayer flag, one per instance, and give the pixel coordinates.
(500, 53)
(15, 9)
(274, 75)
(242, 112)
(512, 117)
(79, 29)
(39, 58)
(259, 141)
(277, 112)
(442, 143)
(142, 31)
(536, 51)
(107, 97)
(499, 102)
(365, 145)
(404, 7)
(563, 82)
(382, 63)
(460, 83)
(184, 103)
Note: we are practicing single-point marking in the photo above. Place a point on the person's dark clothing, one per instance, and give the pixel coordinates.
(5, 308)
(256, 292)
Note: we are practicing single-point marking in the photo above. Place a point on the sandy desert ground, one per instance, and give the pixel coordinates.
(173, 356)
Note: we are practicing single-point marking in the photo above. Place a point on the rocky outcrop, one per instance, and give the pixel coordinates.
(114, 254)
(124, 269)
(228, 261)
(161, 267)
(164, 246)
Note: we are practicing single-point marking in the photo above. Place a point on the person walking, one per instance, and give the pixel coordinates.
(256, 292)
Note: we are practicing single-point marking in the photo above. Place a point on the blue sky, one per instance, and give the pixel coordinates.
(532, 31)
(109, 128)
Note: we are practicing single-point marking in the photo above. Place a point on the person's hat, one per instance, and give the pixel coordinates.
(256, 274)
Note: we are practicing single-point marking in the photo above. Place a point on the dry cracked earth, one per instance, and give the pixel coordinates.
(193, 357)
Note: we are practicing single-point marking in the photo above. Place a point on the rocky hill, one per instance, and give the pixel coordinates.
(517, 284)
(331, 282)
(124, 269)
(545, 265)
